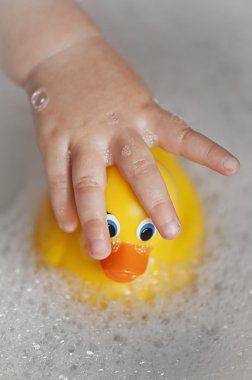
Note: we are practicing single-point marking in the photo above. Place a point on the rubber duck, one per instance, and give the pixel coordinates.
(141, 263)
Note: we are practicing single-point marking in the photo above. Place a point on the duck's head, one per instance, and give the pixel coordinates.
(132, 232)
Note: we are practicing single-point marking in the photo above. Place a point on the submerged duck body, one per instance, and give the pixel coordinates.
(142, 264)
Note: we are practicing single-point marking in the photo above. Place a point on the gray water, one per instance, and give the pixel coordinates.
(197, 57)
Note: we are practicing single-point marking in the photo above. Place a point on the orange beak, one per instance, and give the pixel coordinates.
(126, 263)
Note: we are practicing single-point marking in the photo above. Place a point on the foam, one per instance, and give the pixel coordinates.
(44, 334)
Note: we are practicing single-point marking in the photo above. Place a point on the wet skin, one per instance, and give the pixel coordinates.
(99, 113)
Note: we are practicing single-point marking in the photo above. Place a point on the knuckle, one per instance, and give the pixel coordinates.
(85, 184)
(55, 135)
(157, 204)
(58, 182)
(210, 150)
(184, 135)
(92, 225)
(142, 167)
(48, 141)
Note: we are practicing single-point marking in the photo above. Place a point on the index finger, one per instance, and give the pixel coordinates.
(177, 137)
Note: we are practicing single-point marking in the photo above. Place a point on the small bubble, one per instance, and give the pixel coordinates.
(39, 99)
(127, 292)
(108, 157)
(90, 353)
(126, 151)
(36, 346)
(112, 117)
(150, 139)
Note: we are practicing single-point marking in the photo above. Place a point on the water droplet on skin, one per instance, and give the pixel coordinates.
(126, 151)
(39, 99)
(108, 157)
(69, 154)
(60, 211)
(127, 148)
(113, 118)
(150, 139)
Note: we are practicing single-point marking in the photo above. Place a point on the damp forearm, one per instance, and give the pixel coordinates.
(32, 31)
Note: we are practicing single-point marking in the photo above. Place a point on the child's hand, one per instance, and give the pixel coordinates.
(100, 113)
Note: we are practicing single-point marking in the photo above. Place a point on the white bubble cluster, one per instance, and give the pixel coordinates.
(44, 334)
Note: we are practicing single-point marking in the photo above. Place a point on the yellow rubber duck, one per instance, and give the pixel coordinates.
(141, 264)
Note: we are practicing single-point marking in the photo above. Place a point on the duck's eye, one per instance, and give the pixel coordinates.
(146, 230)
(113, 225)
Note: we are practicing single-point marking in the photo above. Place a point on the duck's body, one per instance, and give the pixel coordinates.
(170, 262)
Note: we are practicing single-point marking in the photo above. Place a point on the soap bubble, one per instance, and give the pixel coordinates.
(47, 334)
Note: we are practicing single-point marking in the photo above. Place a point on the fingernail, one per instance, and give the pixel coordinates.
(69, 227)
(171, 230)
(231, 164)
(99, 249)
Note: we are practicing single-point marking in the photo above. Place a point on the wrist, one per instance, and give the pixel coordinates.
(43, 74)
(51, 27)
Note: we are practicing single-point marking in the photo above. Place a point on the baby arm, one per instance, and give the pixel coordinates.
(99, 113)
